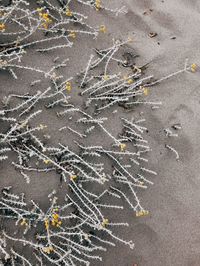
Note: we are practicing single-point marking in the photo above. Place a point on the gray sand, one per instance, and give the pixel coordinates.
(170, 235)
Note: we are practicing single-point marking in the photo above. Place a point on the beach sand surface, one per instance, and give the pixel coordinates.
(170, 235)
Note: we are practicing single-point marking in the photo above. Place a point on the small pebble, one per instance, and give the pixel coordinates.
(153, 34)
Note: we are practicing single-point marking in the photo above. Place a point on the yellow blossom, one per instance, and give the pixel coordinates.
(142, 213)
(2, 13)
(130, 81)
(55, 216)
(46, 224)
(106, 77)
(105, 222)
(68, 86)
(98, 4)
(45, 25)
(24, 123)
(46, 161)
(45, 16)
(68, 12)
(72, 34)
(194, 67)
(55, 221)
(48, 249)
(146, 91)
(2, 27)
(23, 222)
(122, 147)
(141, 183)
(73, 177)
(103, 29)
(42, 126)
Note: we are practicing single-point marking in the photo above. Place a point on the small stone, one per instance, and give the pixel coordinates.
(153, 34)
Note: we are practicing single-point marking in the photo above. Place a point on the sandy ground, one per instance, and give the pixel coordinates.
(170, 235)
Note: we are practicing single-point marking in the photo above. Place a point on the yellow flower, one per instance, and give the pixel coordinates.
(42, 126)
(55, 221)
(45, 25)
(24, 123)
(2, 13)
(2, 27)
(130, 81)
(142, 213)
(46, 161)
(98, 4)
(105, 222)
(73, 177)
(46, 18)
(45, 15)
(103, 29)
(68, 12)
(68, 86)
(106, 77)
(72, 34)
(146, 91)
(48, 249)
(194, 67)
(141, 183)
(122, 147)
(55, 216)
(23, 222)
(46, 224)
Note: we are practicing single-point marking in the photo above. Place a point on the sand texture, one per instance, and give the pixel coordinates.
(170, 235)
